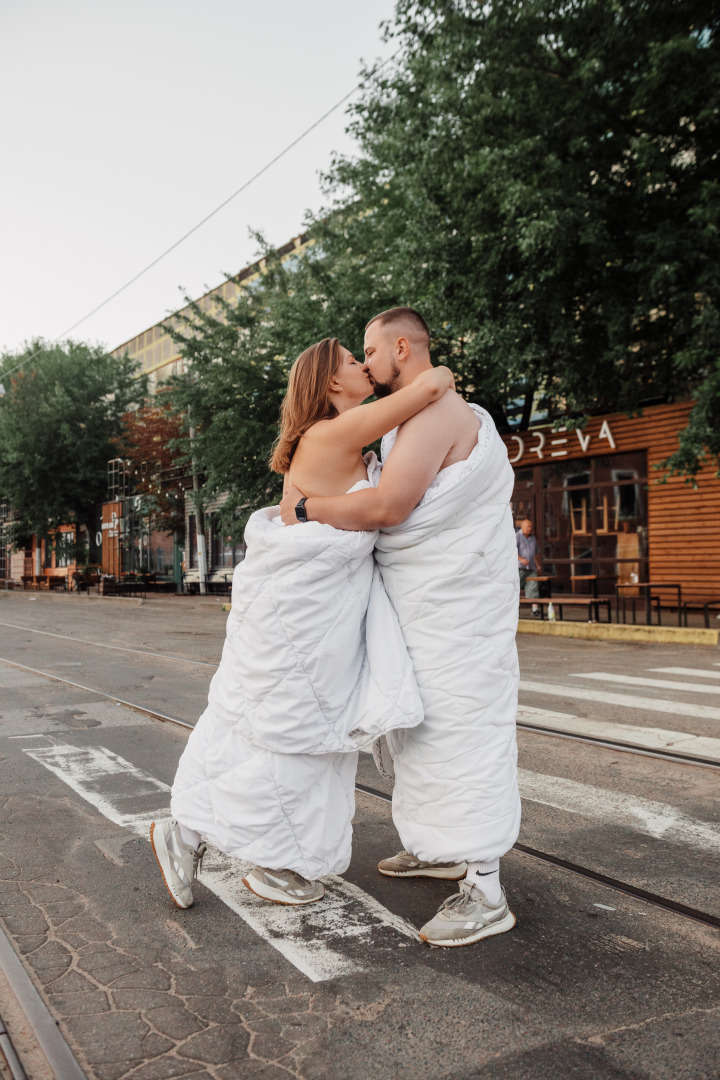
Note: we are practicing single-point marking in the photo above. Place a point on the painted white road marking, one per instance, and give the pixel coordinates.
(627, 701)
(650, 738)
(615, 808)
(700, 673)
(641, 680)
(310, 937)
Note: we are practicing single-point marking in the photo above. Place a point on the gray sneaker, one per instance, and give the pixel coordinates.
(283, 886)
(467, 917)
(179, 863)
(406, 865)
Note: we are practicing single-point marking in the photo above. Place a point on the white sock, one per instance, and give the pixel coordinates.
(486, 875)
(189, 836)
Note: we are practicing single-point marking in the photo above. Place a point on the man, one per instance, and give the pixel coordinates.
(447, 558)
(528, 564)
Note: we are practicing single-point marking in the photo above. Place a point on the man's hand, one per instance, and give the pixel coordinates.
(288, 503)
(522, 561)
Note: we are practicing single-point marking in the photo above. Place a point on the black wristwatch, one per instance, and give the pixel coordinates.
(300, 511)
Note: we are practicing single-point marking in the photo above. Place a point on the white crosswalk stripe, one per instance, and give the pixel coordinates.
(310, 937)
(698, 673)
(652, 684)
(625, 701)
(615, 808)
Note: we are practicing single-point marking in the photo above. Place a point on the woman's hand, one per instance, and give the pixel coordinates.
(440, 378)
(290, 499)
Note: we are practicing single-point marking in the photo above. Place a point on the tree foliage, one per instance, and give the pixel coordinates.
(541, 178)
(149, 442)
(58, 417)
(538, 177)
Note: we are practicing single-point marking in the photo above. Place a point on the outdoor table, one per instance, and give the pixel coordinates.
(647, 587)
(545, 578)
(585, 577)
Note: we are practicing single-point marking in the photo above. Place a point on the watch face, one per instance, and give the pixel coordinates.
(300, 511)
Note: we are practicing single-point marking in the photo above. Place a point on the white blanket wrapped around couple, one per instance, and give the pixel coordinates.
(450, 570)
(314, 667)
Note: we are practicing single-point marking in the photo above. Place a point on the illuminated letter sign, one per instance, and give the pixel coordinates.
(539, 448)
(606, 433)
(521, 449)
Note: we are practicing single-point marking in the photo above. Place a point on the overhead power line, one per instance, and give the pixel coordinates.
(203, 221)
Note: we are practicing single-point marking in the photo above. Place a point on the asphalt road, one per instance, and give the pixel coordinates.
(591, 983)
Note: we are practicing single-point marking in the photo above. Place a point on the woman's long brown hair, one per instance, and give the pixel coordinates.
(307, 399)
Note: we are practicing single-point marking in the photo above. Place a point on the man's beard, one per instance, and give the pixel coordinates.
(383, 389)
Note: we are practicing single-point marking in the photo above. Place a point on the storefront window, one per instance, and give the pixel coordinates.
(523, 504)
(590, 518)
(564, 474)
(161, 553)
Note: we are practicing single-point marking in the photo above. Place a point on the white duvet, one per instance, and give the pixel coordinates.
(314, 667)
(451, 572)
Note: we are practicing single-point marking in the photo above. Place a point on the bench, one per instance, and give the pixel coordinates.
(123, 588)
(622, 601)
(706, 608)
(559, 602)
(30, 582)
(161, 587)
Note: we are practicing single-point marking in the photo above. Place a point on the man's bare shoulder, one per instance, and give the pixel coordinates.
(447, 428)
(450, 411)
(433, 419)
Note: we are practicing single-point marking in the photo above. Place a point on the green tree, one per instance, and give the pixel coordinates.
(541, 178)
(538, 177)
(148, 443)
(58, 417)
(236, 359)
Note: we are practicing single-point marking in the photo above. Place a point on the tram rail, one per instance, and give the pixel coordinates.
(617, 746)
(672, 906)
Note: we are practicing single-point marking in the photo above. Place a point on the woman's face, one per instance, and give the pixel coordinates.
(352, 378)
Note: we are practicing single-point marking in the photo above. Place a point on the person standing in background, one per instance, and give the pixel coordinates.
(528, 563)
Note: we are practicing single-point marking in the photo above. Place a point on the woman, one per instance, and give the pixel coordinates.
(314, 666)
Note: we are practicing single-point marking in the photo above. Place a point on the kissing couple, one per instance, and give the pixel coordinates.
(376, 608)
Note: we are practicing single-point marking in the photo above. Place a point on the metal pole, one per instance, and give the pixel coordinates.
(200, 522)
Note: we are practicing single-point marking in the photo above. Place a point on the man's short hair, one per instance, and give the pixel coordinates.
(412, 320)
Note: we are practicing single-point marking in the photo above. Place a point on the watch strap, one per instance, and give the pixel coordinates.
(300, 511)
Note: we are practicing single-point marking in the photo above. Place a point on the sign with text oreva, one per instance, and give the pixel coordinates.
(548, 444)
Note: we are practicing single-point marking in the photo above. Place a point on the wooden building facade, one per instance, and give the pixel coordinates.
(600, 507)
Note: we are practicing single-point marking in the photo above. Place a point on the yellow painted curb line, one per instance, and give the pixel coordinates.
(659, 635)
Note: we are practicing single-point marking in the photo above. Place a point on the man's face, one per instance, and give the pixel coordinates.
(380, 362)
(526, 527)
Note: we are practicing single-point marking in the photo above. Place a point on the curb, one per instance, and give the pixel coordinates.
(656, 635)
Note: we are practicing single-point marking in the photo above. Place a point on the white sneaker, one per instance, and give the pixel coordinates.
(283, 886)
(179, 863)
(467, 917)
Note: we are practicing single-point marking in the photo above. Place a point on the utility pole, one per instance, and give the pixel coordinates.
(199, 521)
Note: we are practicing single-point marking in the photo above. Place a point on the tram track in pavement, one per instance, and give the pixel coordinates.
(616, 745)
(626, 888)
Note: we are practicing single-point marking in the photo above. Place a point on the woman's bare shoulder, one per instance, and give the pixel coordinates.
(319, 430)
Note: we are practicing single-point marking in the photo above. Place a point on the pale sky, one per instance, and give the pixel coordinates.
(124, 122)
